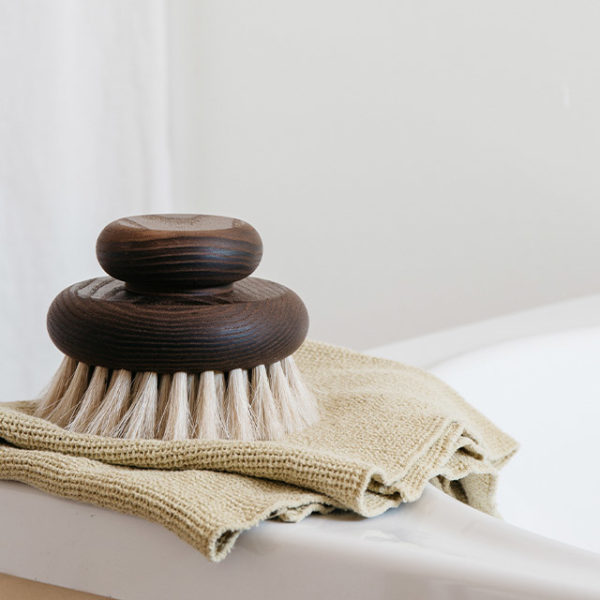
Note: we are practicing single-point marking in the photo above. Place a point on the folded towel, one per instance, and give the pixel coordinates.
(386, 429)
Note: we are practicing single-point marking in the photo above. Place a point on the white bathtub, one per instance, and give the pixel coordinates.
(542, 389)
(545, 391)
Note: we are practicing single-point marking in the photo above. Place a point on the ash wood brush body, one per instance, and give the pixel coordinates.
(180, 342)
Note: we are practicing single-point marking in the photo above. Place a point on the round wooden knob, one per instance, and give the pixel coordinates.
(180, 299)
(170, 253)
(100, 322)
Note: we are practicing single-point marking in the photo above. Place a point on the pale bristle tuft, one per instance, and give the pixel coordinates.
(114, 405)
(192, 386)
(164, 389)
(220, 387)
(207, 409)
(283, 397)
(139, 421)
(305, 404)
(239, 421)
(177, 419)
(65, 409)
(57, 387)
(264, 407)
(90, 403)
(266, 403)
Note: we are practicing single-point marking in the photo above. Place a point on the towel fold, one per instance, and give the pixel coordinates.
(386, 429)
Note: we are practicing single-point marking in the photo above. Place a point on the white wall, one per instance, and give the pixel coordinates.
(83, 140)
(411, 165)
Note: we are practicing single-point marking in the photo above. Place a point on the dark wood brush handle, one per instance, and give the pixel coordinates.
(155, 253)
(100, 322)
(180, 300)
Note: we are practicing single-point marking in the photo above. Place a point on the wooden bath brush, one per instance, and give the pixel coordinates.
(180, 342)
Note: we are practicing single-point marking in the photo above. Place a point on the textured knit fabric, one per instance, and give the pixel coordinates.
(385, 431)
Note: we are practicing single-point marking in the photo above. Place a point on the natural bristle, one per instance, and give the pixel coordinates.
(56, 388)
(208, 423)
(177, 416)
(267, 402)
(239, 421)
(113, 406)
(268, 418)
(139, 421)
(90, 403)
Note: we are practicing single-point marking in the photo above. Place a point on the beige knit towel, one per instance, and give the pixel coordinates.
(385, 430)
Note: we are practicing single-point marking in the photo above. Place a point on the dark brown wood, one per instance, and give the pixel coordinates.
(156, 253)
(180, 300)
(101, 322)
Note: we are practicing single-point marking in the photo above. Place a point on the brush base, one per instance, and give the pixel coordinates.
(101, 322)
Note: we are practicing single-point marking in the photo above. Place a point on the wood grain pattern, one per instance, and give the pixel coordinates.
(101, 322)
(155, 253)
(179, 300)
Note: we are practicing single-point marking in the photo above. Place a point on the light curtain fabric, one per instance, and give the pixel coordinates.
(83, 140)
(385, 431)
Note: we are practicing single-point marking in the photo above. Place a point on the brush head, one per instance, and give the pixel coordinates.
(179, 343)
(180, 299)
(177, 252)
